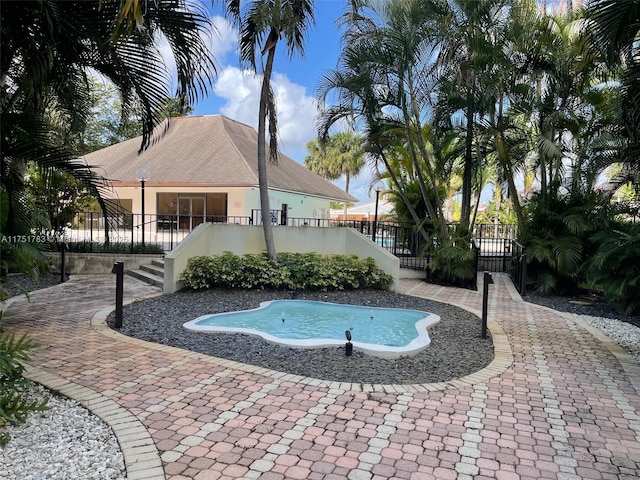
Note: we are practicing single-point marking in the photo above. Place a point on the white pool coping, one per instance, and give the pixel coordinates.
(418, 344)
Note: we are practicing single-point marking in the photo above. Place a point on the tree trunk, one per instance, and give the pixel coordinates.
(465, 207)
(267, 227)
(498, 206)
(346, 189)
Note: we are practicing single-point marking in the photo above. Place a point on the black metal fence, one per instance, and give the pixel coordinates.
(401, 240)
(134, 229)
(495, 246)
(280, 217)
(519, 267)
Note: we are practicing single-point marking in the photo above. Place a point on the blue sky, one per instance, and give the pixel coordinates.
(235, 92)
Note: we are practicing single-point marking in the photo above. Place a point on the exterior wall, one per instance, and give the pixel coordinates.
(240, 201)
(209, 239)
(236, 200)
(300, 206)
(197, 243)
(96, 263)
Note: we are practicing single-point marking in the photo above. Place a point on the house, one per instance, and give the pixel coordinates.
(205, 169)
(365, 212)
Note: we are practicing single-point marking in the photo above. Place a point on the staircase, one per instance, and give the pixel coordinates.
(152, 274)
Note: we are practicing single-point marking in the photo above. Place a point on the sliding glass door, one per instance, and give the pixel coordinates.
(185, 211)
(190, 212)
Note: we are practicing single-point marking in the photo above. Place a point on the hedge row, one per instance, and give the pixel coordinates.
(302, 271)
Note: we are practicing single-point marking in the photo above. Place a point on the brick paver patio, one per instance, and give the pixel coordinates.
(558, 401)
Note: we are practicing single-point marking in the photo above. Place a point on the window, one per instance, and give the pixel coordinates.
(216, 207)
(185, 211)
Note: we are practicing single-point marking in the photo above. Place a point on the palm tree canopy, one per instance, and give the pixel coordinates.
(265, 22)
(341, 154)
(49, 46)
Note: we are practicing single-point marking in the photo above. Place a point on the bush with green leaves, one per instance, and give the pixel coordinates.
(15, 399)
(302, 271)
(615, 267)
(558, 238)
(453, 261)
(112, 247)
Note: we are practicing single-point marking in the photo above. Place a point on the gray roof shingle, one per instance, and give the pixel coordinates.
(207, 150)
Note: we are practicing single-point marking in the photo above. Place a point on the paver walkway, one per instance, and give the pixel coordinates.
(558, 402)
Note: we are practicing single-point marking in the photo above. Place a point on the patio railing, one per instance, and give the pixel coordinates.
(131, 228)
(495, 245)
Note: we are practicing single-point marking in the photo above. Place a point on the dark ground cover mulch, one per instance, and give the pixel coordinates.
(456, 349)
(18, 283)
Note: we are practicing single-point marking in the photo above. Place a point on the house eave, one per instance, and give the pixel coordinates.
(152, 184)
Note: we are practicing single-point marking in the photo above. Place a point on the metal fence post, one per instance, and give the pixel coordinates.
(488, 280)
(118, 269)
(523, 275)
(171, 231)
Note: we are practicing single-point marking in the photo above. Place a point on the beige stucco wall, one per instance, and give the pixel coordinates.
(209, 239)
(97, 263)
(240, 200)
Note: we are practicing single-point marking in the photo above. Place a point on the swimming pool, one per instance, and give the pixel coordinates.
(382, 332)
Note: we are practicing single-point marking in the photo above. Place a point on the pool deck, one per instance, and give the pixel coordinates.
(560, 400)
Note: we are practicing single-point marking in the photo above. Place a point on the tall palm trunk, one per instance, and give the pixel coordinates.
(465, 210)
(498, 206)
(419, 222)
(265, 97)
(346, 189)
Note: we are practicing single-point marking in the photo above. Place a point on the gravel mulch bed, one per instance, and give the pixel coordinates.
(456, 347)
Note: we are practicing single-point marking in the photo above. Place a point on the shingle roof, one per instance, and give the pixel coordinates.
(207, 150)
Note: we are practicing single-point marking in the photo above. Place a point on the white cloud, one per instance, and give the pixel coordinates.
(220, 42)
(295, 109)
(225, 38)
(240, 90)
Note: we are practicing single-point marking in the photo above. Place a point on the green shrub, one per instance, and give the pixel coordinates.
(199, 273)
(15, 401)
(557, 237)
(305, 269)
(615, 268)
(453, 261)
(302, 271)
(112, 247)
(259, 272)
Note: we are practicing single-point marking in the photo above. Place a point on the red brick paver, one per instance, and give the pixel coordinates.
(557, 402)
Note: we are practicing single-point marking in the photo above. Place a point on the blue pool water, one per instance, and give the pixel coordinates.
(386, 332)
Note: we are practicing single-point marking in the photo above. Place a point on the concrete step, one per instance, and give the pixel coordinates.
(158, 262)
(154, 269)
(147, 277)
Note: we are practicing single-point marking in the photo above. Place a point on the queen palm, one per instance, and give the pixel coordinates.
(341, 155)
(615, 28)
(470, 39)
(383, 82)
(263, 23)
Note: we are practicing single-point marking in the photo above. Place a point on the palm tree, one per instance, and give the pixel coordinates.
(49, 47)
(615, 28)
(341, 154)
(383, 83)
(262, 25)
(471, 59)
(48, 50)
